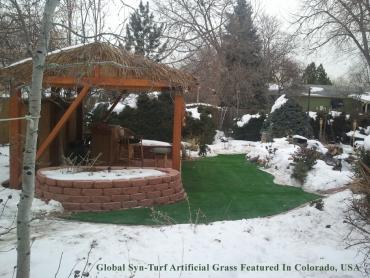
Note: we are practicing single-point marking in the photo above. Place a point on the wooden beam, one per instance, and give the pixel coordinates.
(62, 121)
(106, 116)
(177, 127)
(15, 138)
(108, 82)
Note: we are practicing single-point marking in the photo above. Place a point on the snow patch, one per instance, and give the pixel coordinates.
(367, 143)
(190, 105)
(357, 134)
(147, 142)
(122, 174)
(335, 114)
(316, 89)
(194, 112)
(365, 97)
(246, 118)
(279, 103)
(312, 115)
(50, 53)
(273, 87)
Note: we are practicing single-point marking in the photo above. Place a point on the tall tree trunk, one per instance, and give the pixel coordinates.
(69, 18)
(29, 155)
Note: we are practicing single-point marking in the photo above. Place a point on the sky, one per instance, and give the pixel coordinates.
(335, 63)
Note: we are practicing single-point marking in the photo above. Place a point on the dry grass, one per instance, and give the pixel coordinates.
(111, 61)
(362, 184)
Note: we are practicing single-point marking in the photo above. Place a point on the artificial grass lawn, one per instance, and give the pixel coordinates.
(226, 187)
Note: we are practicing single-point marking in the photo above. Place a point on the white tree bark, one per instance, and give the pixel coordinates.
(29, 155)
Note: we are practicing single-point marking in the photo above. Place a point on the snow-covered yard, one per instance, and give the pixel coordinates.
(301, 243)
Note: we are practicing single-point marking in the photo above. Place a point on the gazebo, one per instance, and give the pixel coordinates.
(87, 67)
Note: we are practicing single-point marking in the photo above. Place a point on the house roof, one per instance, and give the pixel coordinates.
(98, 59)
(327, 91)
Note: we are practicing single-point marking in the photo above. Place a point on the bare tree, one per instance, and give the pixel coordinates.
(195, 23)
(16, 43)
(344, 23)
(278, 48)
(29, 156)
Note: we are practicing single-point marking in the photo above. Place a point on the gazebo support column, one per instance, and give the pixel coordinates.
(177, 126)
(63, 121)
(106, 116)
(15, 139)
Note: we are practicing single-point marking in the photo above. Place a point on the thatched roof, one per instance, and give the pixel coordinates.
(82, 61)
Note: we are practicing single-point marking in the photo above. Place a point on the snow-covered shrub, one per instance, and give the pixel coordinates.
(249, 127)
(288, 119)
(203, 130)
(152, 118)
(148, 116)
(303, 161)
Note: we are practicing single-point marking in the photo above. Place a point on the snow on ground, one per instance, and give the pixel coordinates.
(220, 137)
(278, 103)
(356, 134)
(279, 158)
(297, 238)
(246, 118)
(301, 237)
(125, 174)
(4, 163)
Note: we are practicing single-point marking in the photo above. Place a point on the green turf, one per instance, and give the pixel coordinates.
(225, 187)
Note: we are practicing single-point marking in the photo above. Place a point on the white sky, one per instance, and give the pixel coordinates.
(335, 63)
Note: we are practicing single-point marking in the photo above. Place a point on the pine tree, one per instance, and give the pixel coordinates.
(245, 79)
(310, 74)
(322, 77)
(289, 119)
(143, 35)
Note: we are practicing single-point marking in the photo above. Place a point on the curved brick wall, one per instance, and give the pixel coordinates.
(90, 195)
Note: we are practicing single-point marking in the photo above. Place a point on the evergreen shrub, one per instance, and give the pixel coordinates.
(250, 131)
(203, 130)
(303, 161)
(289, 119)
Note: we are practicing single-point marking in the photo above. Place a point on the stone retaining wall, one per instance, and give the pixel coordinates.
(103, 195)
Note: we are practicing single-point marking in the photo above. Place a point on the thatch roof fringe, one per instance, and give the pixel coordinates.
(109, 60)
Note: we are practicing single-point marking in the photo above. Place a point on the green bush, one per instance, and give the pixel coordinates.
(288, 120)
(250, 131)
(303, 161)
(152, 118)
(203, 130)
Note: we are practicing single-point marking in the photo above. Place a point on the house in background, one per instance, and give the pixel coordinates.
(327, 98)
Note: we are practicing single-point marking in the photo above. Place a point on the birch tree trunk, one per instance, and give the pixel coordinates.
(29, 155)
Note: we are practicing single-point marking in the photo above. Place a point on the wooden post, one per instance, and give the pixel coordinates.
(63, 120)
(15, 138)
(106, 116)
(177, 126)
